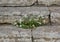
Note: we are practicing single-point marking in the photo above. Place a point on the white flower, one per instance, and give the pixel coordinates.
(44, 21)
(20, 25)
(40, 23)
(33, 25)
(20, 20)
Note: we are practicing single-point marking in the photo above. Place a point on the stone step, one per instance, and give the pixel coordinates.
(23, 10)
(16, 2)
(10, 14)
(13, 31)
(49, 2)
(10, 33)
(47, 34)
(28, 2)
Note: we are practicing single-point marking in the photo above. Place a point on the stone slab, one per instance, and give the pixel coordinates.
(16, 2)
(13, 31)
(55, 15)
(44, 40)
(10, 14)
(47, 32)
(24, 40)
(10, 33)
(23, 10)
(28, 2)
(49, 2)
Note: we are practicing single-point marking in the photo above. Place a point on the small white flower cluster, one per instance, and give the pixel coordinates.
(20, 20)
(30, 21)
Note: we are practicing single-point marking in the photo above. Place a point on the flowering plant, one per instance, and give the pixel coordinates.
(30, 21)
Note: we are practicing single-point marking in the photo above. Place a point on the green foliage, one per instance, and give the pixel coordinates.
(30, 21)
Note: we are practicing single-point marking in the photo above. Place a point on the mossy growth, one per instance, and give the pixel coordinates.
(30, 21)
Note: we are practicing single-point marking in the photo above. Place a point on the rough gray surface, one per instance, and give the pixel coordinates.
(10, 33)
(28, 2)
(10, 14)
(23, 10)
(14, 31)
(47, 32)
(16, 2)
(55, 15)
(47, 2)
